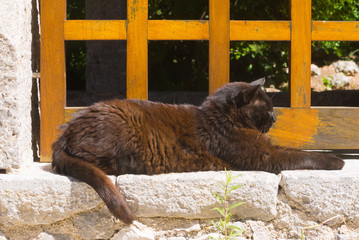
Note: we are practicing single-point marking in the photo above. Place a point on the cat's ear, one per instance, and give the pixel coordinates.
(260, 82)
(244, 96)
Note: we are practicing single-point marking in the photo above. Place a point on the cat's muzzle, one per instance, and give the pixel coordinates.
(266, 128)
(273, 117)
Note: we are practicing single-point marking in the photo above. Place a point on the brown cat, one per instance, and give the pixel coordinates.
(142, 137)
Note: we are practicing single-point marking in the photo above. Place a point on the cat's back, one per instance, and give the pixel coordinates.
(139, 113)
(128, 129)
(126, 121)
(131, 111)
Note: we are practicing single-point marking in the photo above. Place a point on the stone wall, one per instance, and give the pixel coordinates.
(37, 204)
(15, 84)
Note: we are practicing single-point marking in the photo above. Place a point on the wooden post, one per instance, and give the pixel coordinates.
(300, 54)
(52, 63)
(218, 43)
(137, 67)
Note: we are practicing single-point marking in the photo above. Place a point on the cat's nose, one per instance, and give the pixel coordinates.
(273, 117)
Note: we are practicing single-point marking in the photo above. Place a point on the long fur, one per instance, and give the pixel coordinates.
(142, 137)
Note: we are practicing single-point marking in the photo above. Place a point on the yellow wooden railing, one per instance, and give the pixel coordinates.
(298, 126)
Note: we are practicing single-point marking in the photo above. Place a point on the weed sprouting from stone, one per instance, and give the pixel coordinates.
(229, 231)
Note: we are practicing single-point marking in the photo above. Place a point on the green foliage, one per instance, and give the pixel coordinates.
(339, 10)
(229, 231)
(76, 9)
(253, 60)
(327, 81)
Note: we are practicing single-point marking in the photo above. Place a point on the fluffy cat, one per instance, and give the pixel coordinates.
(142, 137)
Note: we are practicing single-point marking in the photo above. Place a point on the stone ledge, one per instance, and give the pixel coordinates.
(37, 204)
(190, 195)
(38, 197)
(324, 194)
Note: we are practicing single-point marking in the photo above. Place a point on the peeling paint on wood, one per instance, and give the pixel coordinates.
(317, 128)
(295, 128)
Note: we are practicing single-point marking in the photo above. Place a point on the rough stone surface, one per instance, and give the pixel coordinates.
(137, 231)
(37, 196)
(349, 68)
(37, 204)
(190, 195)
(315, 71)
(324, 194)
(339, 81)
(45, 236)
(15, 84)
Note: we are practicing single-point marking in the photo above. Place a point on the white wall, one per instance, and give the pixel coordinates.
(15, 84)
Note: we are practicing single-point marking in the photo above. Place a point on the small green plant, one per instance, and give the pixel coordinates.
(327, 81)
(229, 231)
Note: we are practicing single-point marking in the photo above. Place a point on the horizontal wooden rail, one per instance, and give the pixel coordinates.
(260, 30)
(335, 31)
(95, 30)
(312, 128)
(177, 30)
(199, 30)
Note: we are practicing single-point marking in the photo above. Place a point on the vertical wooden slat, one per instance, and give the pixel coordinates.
(52, 85)
(218, 43)
(300, 53)
(137, 29)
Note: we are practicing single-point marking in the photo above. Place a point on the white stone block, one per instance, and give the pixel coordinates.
(37, 196)
(324, 194)
(315, 71)
(190, 195)
(349, 68)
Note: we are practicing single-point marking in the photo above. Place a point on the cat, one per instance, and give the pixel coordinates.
(142, 137)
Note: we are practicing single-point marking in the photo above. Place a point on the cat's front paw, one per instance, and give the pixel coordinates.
(332, 162)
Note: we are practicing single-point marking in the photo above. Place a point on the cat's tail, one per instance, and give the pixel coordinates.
(84, 171)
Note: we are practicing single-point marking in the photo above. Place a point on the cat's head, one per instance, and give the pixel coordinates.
(244, 104)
